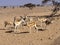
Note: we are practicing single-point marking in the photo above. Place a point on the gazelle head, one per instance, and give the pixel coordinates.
(17, 18)
(24, 17)
(18, 21)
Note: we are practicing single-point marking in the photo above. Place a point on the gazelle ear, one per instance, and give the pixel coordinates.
(21, 17)
(38, 18)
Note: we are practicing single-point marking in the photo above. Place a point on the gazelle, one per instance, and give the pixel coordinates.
(31, 23)
(17, 22)
(47, 21)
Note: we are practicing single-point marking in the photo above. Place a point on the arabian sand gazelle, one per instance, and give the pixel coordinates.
(49, 21)
(31, 23)
(42, 23)
(17, 22)
(45, 21)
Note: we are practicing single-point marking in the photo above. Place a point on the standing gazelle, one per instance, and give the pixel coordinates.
(17, 22)
(47, 21)
(31, 24)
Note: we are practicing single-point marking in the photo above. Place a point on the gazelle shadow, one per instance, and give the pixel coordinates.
(22, 33)
(16, 32)
(41, 29)
(9, 31)
(2, 29)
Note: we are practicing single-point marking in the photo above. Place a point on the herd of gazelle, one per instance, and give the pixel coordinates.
(30, 24)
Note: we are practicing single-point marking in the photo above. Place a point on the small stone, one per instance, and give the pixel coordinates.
(50, 38)
(56, 32)
(41, 39)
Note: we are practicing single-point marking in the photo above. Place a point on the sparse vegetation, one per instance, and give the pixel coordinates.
(30, 5)
(38, 5)
(13, 7)
(4, 6)
(55, 4)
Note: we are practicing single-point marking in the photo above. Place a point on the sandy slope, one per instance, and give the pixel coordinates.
(47, 37)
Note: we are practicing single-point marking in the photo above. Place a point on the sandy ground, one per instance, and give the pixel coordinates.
(51, 36)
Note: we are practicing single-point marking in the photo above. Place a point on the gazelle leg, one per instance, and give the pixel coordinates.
(36, 28)
(15, 29)
(30, 29)
(45, 27)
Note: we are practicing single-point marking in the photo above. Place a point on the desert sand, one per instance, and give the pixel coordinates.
(51, 36)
